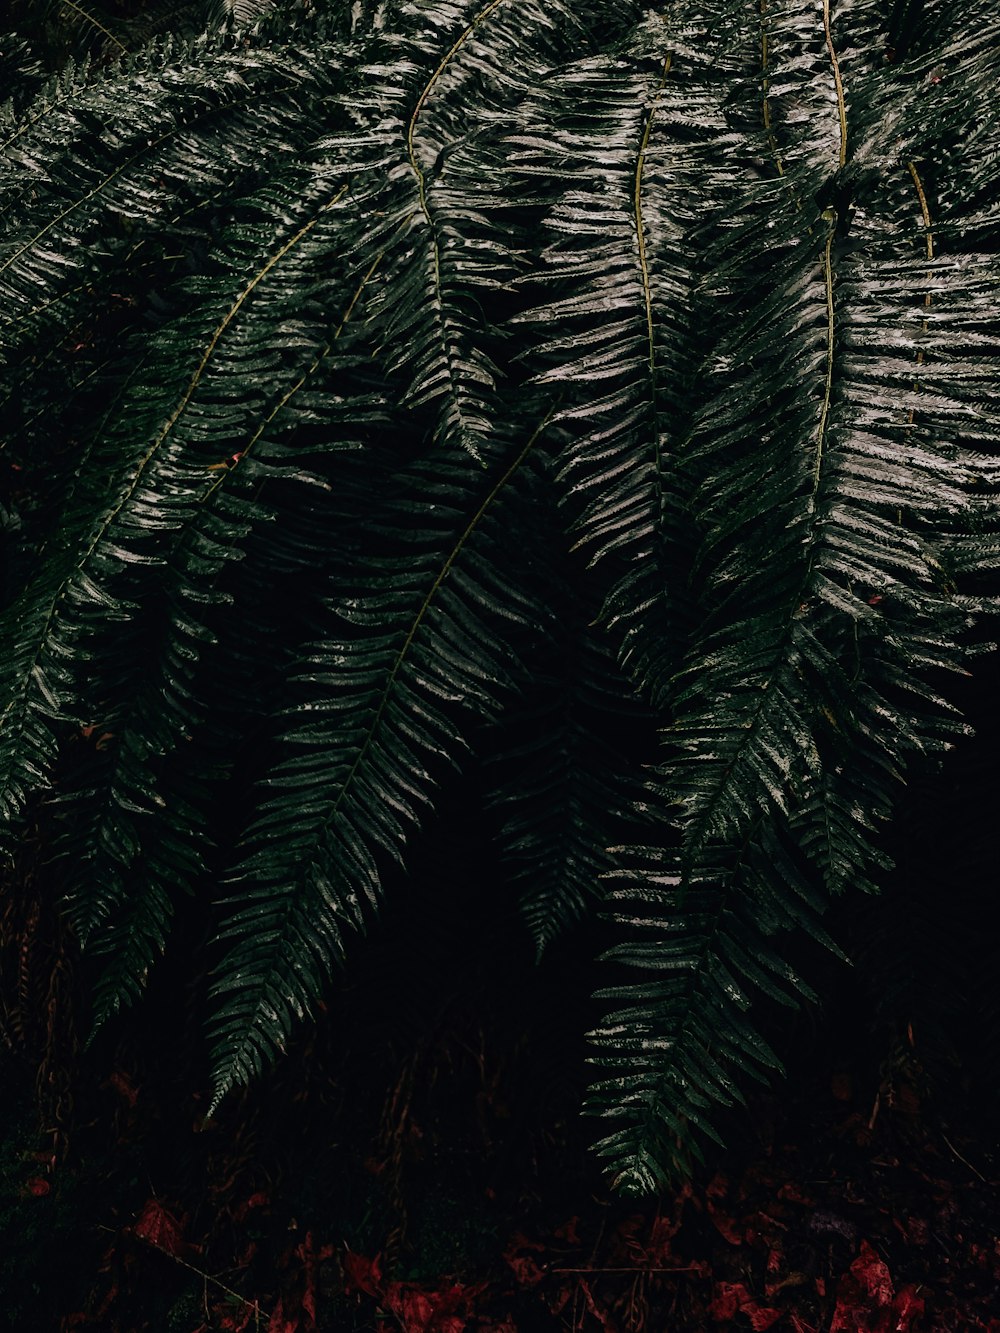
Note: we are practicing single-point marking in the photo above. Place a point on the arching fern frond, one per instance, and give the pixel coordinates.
(406, 655)
(562, 777)
(829, 604)
(145, 465)
(281, 312)
(620, 145)
(235, 471)
(452, 72)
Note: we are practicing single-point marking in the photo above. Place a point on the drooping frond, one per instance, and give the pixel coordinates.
(561, 773)
(829, 443)
(701, 954)
(188, 470)
(238, 468)
(141, 473)
(396, 389)
(414, 643)
(452, 73)
(618, 145)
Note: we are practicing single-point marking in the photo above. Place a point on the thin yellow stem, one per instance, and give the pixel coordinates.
(766, 105)
(929, 242)
(828, 382)
(924, 210)
(640, 231)
(96, 23)
(838, 81)
(411, 152)
(207, 1278)
(428, 89)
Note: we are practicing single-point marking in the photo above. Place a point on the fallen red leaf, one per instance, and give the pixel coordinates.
(279, 1321)
(602, 1315)
(362, 1274)
(413, 1309)
(732, 1298)
(761, 1316)
(725, 1302)
(872, 1274)
(866, 1302)
(310, 1258)
(159, 1227)
(441, 1311)
(907, 1307)
(527, 1272)
(235, 1321)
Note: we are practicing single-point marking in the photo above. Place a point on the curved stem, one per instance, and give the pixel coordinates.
(838, 81)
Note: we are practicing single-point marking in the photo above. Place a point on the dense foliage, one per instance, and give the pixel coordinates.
(594, 402)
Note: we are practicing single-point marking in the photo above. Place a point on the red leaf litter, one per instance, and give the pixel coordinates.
(418, 1310)
(834, 1231)
(867, 1302)
(362, 1274)
(732, 1298)
(158, 1226)
(522, 1262)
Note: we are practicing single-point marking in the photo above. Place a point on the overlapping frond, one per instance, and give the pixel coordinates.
(325, 341)
(446, 78)
(142, 473)
(833, 480)
(562, 777)
(418, 640)
(618, 145)
(235, 469)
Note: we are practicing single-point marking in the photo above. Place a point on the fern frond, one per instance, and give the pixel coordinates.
(619, 146)
(829, 606)
(280, 312)
(21, 76)
(236, 463)
(240, 13)
(685, 1041)
(443, 261)
(96, 168)
(561, 776)
(413, 649)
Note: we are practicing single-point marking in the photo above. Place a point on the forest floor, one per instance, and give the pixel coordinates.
(417, 1162)
(839, 1208)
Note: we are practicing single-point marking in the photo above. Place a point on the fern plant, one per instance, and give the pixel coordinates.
(596, 397)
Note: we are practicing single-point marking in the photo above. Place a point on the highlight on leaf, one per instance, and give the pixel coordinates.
(594, 407)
